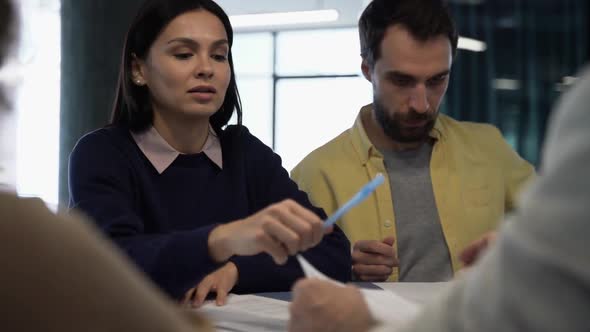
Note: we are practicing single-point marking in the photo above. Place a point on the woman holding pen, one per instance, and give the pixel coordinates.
(199, 206)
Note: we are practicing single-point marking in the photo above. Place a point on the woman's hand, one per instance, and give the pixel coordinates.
(220, 281)
(282, 229)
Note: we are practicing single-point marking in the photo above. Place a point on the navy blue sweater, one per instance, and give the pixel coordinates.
(163, 221)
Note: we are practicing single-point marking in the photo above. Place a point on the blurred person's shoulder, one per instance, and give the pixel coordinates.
(31, 218)
(11, 203)
(17, 212)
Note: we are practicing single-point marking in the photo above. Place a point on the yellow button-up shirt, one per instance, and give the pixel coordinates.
(475, 176)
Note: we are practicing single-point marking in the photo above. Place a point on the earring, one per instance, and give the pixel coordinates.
(138, 81)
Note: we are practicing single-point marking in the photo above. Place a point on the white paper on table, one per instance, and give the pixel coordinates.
(384, 306)
(248, 313)
(420, 292)
(311, 272)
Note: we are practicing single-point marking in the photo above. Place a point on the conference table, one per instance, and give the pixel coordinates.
(270, 311)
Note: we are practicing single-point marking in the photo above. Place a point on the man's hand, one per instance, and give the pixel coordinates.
(220, 281)
(374, 260)
(323, 306)
(475, 249)
(280, 230)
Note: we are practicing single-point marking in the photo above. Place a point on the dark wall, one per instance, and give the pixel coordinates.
(534, 43)
(92, 38)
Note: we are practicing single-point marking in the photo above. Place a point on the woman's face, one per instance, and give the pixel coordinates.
(187, 70)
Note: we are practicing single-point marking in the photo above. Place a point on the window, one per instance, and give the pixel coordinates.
(303, 95)
(310, 112)
(30, 144)
(318, 52)
(254, 75)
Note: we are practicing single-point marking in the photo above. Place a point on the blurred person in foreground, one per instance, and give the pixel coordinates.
(60, 274)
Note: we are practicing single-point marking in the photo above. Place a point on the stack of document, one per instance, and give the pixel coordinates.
(248, 313)
(384, 306)
(260, 313)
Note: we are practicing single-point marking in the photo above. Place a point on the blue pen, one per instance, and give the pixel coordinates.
(355, 200)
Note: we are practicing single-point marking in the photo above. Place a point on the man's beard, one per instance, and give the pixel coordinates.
(394, 128)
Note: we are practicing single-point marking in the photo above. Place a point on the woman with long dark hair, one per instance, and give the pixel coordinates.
(198, 205)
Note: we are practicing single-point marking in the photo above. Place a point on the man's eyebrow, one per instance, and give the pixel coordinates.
(399, 74)
(442, 73)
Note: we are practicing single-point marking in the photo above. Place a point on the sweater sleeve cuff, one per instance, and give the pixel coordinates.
(247, 276)
(259, 273)
(187, 261)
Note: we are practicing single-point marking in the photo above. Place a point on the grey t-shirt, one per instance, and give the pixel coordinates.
(422, 250)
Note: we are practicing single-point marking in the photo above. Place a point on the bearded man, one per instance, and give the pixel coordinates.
(450, 182)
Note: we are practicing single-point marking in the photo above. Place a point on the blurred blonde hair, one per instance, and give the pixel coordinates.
(8, 32)
(8, 27)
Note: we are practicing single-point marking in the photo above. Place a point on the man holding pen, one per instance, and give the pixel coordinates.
(448, 184)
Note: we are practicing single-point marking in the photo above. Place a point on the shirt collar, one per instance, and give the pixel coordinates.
(161, 154)
(365, 147)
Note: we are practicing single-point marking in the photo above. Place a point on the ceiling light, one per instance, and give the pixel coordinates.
(566, 82)
(283, 18)
(470, 44)
(506, 84)
(569, 80)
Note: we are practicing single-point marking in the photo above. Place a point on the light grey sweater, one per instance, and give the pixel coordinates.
(537, 276)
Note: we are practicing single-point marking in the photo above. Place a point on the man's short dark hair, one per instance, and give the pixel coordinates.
(424, 19)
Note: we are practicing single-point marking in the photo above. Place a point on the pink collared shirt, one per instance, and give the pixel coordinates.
(161, 154)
